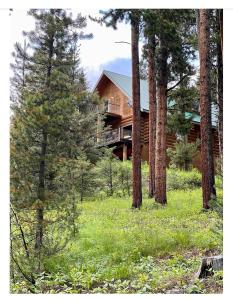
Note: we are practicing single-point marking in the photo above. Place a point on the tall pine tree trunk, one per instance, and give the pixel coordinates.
(152, 113)
(41, 197)
(208, 189)
(161, 121)
(220, 20)
(220, 83)
(136, 134)
(42, 166)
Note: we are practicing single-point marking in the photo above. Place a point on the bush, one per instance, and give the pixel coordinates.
(177, 179)
(124, 177)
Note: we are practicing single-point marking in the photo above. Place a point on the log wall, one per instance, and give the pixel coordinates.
(108, 90)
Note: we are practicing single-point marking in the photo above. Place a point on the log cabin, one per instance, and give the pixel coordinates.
(116, 91)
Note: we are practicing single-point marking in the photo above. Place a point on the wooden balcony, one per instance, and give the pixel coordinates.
(112, 136)
(118, 134)
(111, 108)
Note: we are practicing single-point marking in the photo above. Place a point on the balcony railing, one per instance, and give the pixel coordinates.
(112, 136)
(111, 107)
(115, 135)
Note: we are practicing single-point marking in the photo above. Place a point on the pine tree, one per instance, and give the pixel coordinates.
(111, 18)
(171, 30)
(148, 17)
(53, 122)
(208, 189)
(219, 42)
(174, 31)
(136, 135)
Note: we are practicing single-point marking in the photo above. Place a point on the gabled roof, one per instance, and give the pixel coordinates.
(124, 83)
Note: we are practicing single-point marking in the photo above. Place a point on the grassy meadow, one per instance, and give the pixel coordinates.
(152, 250)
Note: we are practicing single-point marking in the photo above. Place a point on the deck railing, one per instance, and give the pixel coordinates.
(116, 135)
(111, 107)
(112, 136)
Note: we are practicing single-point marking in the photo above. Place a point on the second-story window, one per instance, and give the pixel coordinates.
(127, 132)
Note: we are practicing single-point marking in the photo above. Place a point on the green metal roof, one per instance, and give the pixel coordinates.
(124, 83)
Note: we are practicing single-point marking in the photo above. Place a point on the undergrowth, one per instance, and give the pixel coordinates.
(120, 250)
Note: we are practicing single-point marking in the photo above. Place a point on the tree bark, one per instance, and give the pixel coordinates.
(161, 121)
(209, 265)
(152, 113)
(136, 134)
(220, 83)
(208, 189)
(42, 165)
(41, 197)
(220, 22)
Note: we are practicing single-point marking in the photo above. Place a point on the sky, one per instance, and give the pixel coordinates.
(99, 53)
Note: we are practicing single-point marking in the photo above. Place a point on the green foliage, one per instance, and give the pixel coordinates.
(218, 168)
(123, 251)
(124, 177)
(182, 156)
(156, 232)
(178, 179)
(53, 126)
(183, 105)
(106, 170)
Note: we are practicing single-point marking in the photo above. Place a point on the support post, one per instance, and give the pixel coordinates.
(125, 152)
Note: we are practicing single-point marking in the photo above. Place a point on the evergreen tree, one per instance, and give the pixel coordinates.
(172, 29)
(172, 55)
(148, 17)
(219, 44)
(111, 18)
(136, 135)
(205, 110)
(53, 122)
(183, 154)
(183, 105)
(106, 170)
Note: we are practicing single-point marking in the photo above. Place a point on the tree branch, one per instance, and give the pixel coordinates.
(21, 231)
(28, 278)
(123, 42)
(175, 85)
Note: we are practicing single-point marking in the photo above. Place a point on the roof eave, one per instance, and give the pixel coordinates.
(98, 81)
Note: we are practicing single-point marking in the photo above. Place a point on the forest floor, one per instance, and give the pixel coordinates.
(152, 250)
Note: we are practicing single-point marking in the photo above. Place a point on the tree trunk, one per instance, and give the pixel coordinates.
(136, 134)
(220, 84)
(161, 121)
(220, 23)
(73, 213)
(81, 191)
(110, 177)
(152, 113)
(205, 111)
(41, 197)
(42, 166)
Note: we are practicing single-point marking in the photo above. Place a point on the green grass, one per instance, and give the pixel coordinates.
(138, 251)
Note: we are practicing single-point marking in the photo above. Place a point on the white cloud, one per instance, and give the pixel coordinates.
(103, 47)
(94, 53)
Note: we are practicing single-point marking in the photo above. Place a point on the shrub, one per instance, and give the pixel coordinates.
(177, 179)
(124, 177)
